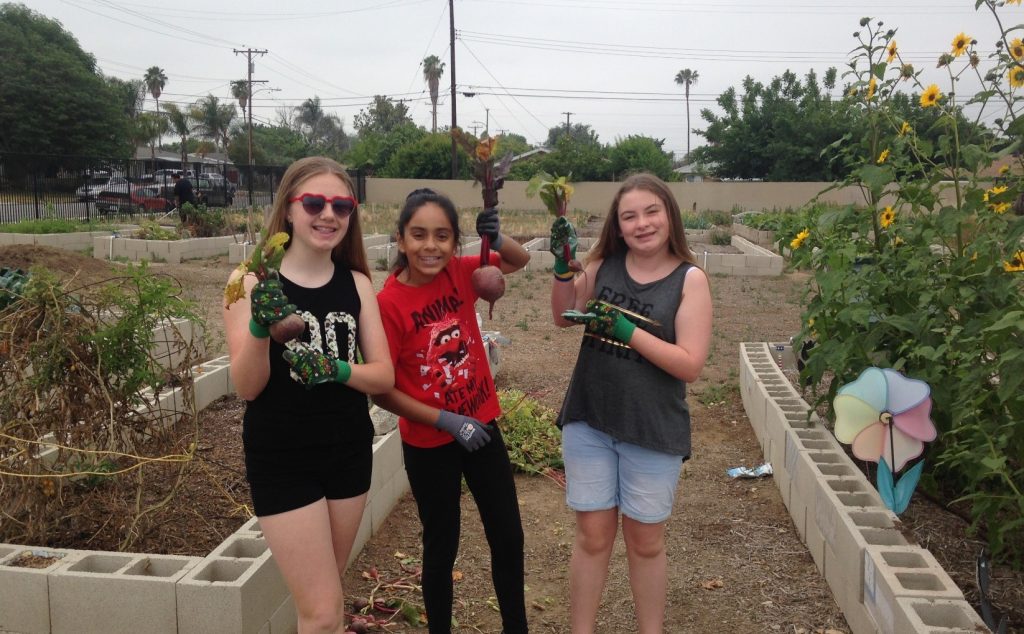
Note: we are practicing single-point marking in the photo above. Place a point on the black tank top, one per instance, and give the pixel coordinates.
(286, 415)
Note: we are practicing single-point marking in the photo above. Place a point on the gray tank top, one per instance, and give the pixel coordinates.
(614, 389)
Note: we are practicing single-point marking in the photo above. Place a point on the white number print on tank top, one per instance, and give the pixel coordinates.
(316, 339)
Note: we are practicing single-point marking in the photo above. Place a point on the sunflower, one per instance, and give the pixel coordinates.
(892, 52)
(884, 155)
(930, 96)
(960, 44)
(887, 218)
(872, 84)
(1016, 76)
(905, 129)
(998, 189)
(1004, 170)
(799, 239)
(1000, 208)
(1016, 264)
(1016, 48)
(1012, 1)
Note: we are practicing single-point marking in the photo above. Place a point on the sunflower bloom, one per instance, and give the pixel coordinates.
(872, 84)
(1016, 77)
(1012, 1)
(887, 218)
(905, 129)
(1000, 208)
(1016, 48)
(892, 52)
(1004, 170)
(799, 239)
(999, 189)
(884, 155)
(1016, 264)
(960, 44)
(931, 96)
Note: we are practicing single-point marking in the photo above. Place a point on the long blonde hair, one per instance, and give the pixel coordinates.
(610, 241)
(350, 251)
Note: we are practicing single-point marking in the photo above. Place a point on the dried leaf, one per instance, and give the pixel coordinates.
(456, 575)
(711, 584)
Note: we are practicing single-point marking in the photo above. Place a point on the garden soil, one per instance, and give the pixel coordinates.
(736, 563)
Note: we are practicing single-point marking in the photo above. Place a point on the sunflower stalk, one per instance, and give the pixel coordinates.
(489, 174)
(264, 263)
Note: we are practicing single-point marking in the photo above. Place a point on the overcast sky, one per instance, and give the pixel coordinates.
(522, 58)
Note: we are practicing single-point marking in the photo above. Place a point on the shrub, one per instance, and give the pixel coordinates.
(53, 225)
(150, 230)
(534, 442)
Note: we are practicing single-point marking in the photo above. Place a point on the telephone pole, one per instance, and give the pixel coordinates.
(249, 52)
(567, 120)
(451, 47)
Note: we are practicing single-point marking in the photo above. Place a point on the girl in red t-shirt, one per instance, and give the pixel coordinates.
(445, 398)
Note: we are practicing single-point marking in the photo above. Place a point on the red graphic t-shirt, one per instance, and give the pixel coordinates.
(437, 349)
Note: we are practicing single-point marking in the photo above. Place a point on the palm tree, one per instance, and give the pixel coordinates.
(433, 68)
(317, 125)
(181, 124)
(687, 77)
(150, 127)
(240, 91)
(214, 120)
(155, 81)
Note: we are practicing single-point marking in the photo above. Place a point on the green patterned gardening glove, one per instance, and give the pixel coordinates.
(12, 283)
(603, 320)
(269, 306)
(314, 368)
(563, 245)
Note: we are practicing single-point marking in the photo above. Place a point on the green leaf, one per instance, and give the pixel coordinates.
(876, 177)
(994, 463)
(878, 70)
(1012, 320)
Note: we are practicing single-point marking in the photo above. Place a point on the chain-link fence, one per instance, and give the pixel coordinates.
(36, 186)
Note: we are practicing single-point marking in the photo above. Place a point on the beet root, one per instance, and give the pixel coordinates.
(489, 284)
(291, 327)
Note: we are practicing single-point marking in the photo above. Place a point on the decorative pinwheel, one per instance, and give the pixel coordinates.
(886, 417)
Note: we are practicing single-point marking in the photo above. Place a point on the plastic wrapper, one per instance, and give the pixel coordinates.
(748, 472)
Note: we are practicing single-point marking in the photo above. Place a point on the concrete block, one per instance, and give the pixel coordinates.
(251, 527)
(241, 546)
(363, 536)
(105, 592)
(25, 592)
(387, 459)
(845, 591)
(935, 616)
(210, 383)
(233, 596)
(286, 619)
(892, 572)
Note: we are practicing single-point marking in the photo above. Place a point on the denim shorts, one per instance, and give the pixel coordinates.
(603, 473)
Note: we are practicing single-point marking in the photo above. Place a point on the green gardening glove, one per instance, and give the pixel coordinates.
(269, 305)
(563, 244)
(314, 367)
(603, 320)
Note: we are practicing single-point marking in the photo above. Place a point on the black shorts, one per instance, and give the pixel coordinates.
(282, 481)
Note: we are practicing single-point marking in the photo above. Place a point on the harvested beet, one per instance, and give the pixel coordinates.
(489, 284)
(291, 327)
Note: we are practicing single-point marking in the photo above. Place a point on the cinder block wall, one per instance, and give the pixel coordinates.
(881, 582)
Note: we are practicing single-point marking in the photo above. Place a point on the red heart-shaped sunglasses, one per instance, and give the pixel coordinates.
(313, 204)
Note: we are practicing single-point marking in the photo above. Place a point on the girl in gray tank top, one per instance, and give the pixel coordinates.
(646, 311)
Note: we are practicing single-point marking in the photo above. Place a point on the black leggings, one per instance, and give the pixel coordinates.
(435, 476)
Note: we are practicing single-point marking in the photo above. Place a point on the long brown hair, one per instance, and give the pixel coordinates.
(610, 241)
(350, 250)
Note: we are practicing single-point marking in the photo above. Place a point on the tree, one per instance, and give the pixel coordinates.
(240, 91)
(155, 81)
(53, 100)
(382, 116)
(585, 158)
(687, 78)
(433, 68)
(430, 156)
(213, 120)
(374, 149)
(180, 124)
(149, 128)
(323, 131)
(640, 154)
(580, 132)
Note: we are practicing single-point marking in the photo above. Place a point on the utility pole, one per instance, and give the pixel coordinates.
(451, 47)
(249, 52)
(487, 122)
(567, 121)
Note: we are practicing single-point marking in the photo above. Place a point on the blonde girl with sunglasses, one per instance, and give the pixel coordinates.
(306, 431)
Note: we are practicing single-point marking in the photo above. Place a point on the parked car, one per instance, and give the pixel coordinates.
(96, 184)
(131, 198)
(219, 180)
